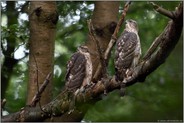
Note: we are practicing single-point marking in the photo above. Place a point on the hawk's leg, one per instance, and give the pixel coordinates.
(72, 103)
(105, 81)
(84, 89)
(122, 89)
(129, 73)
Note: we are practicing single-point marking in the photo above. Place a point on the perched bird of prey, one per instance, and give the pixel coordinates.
(79, 71)
(127, 52)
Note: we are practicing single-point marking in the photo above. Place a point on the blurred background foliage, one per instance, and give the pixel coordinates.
(160, 97)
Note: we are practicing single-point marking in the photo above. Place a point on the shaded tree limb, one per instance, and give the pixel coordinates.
(59, 106)
(68, 30)
(157, 41)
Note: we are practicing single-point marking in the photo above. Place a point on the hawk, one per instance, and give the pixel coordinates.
(79, 71)
(127, 52)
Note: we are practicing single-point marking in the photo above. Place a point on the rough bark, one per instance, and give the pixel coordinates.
(9, 61)
(104, 20)
(43, 18)
(59, 106)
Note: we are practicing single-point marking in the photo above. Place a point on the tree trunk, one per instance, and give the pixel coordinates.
(43, 18)
(104, 20)
(9, 61)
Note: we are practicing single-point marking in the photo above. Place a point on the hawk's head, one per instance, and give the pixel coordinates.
(131, 25)
(83, 49)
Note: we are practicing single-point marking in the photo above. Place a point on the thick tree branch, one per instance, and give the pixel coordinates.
(157, 41)
(163, 11)
(168, 40)
(60, 106)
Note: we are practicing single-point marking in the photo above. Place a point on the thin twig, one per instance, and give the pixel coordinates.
(3, 49)
(37, 96)
(18, 47)
(114, 36)
(120, 22)
(93, 37)
(36, 76)
(40, 72)
(163, 11)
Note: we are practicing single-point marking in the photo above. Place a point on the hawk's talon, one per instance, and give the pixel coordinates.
(72, 110)
(105, 92)
(104, 81)
(122, 89)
